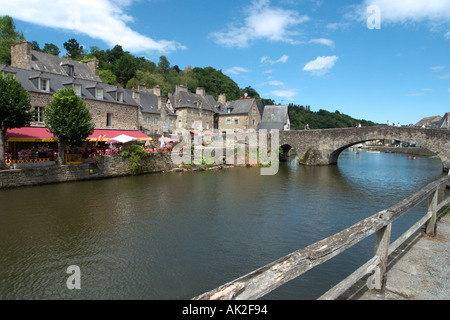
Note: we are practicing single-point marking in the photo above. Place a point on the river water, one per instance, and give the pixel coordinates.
(178, 235)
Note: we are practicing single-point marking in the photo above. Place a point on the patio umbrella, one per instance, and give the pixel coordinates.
(111, 141)
(123, 138)
(162, 141)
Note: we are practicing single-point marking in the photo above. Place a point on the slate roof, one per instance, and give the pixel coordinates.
(149, 103)
(53, 64)
(242, 106)
(188, 100)
(29, 81)
(430, 122)
(445, 121)
(274, 118)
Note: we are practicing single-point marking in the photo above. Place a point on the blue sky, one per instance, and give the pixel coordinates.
(377, 60)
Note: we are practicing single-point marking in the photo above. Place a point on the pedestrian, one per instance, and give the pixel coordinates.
(389, 123)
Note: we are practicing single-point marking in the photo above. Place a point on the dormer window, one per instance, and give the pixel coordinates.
(99, 93)
(228, 110)
(44, 84)
(119, 96)
(69, 69)
(77, 89)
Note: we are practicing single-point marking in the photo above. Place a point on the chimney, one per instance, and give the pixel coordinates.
(93, 65)
(180, 88)
(136, 96)
(162, 101)
(157, 91)
(222, 98)
(143, 88)
(201, 91)
(21, 55)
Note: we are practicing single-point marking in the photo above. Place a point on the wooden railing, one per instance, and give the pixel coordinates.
(258, 283)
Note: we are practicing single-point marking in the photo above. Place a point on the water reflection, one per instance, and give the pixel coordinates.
(174, 236)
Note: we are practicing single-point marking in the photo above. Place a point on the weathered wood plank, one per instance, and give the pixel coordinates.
(348, 282)
(397, 243)
(263, 280)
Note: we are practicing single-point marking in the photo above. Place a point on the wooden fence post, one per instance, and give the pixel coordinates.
(383, 237)
(432, 207)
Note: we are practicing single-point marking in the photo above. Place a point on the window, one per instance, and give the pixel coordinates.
(236, 121)
(179, 124)
(200, 114)
(44, 85)
(253, 122)
(207, 125)
(155, 121)
(119, 96)
(109, 119)
(254, 111)
(39, 116)
(192, 124)
(99, 93)
(147, 120)
(77, 89)
(70, 70)
(228, 122)
(206, 115)
(228, 110)
(192, 112)
(170, 122)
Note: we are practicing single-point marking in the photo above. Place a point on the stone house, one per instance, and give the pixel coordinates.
(240, 115)
(445, 122)
(193, 110)
(275, 118)
(155, 115)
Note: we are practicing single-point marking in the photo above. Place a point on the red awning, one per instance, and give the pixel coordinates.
(40, 134)
(30, 134)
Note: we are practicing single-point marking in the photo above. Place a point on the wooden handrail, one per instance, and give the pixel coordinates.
(258, 283)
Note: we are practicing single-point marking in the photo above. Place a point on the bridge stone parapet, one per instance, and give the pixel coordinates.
(323, 147)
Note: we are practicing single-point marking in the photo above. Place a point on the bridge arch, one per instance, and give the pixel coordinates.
(323, 147)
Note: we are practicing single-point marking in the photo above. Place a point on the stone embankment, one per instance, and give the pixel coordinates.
(106, 167)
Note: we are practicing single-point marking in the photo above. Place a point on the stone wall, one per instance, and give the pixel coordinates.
(124, 117)
(108, 167)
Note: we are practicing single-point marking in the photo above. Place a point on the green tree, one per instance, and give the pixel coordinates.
(69, 119)
(15, 109)
(74, 50)
(51, 48)
(163, 65)
(8, 37)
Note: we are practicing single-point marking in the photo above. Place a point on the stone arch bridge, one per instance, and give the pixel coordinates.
(322, 147)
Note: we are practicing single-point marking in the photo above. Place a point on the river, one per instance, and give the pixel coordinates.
(178, 235)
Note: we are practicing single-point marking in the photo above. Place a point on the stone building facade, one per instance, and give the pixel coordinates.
(240, 115)
(193, 110)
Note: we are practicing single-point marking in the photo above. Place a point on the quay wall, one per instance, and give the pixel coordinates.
(108, 167)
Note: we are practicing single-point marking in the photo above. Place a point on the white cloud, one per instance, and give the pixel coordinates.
(284, 58)
(321, 65)
(262, 22)
(448, 89)
(447, 35)
(288, 94)
(322, 41)
(236, 70)
(402, 11)
(437, 68)
(102, 19)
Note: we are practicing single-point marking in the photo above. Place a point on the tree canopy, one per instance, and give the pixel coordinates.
(8, 37)
(300, 116)
(15, 109)
(69, 119)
